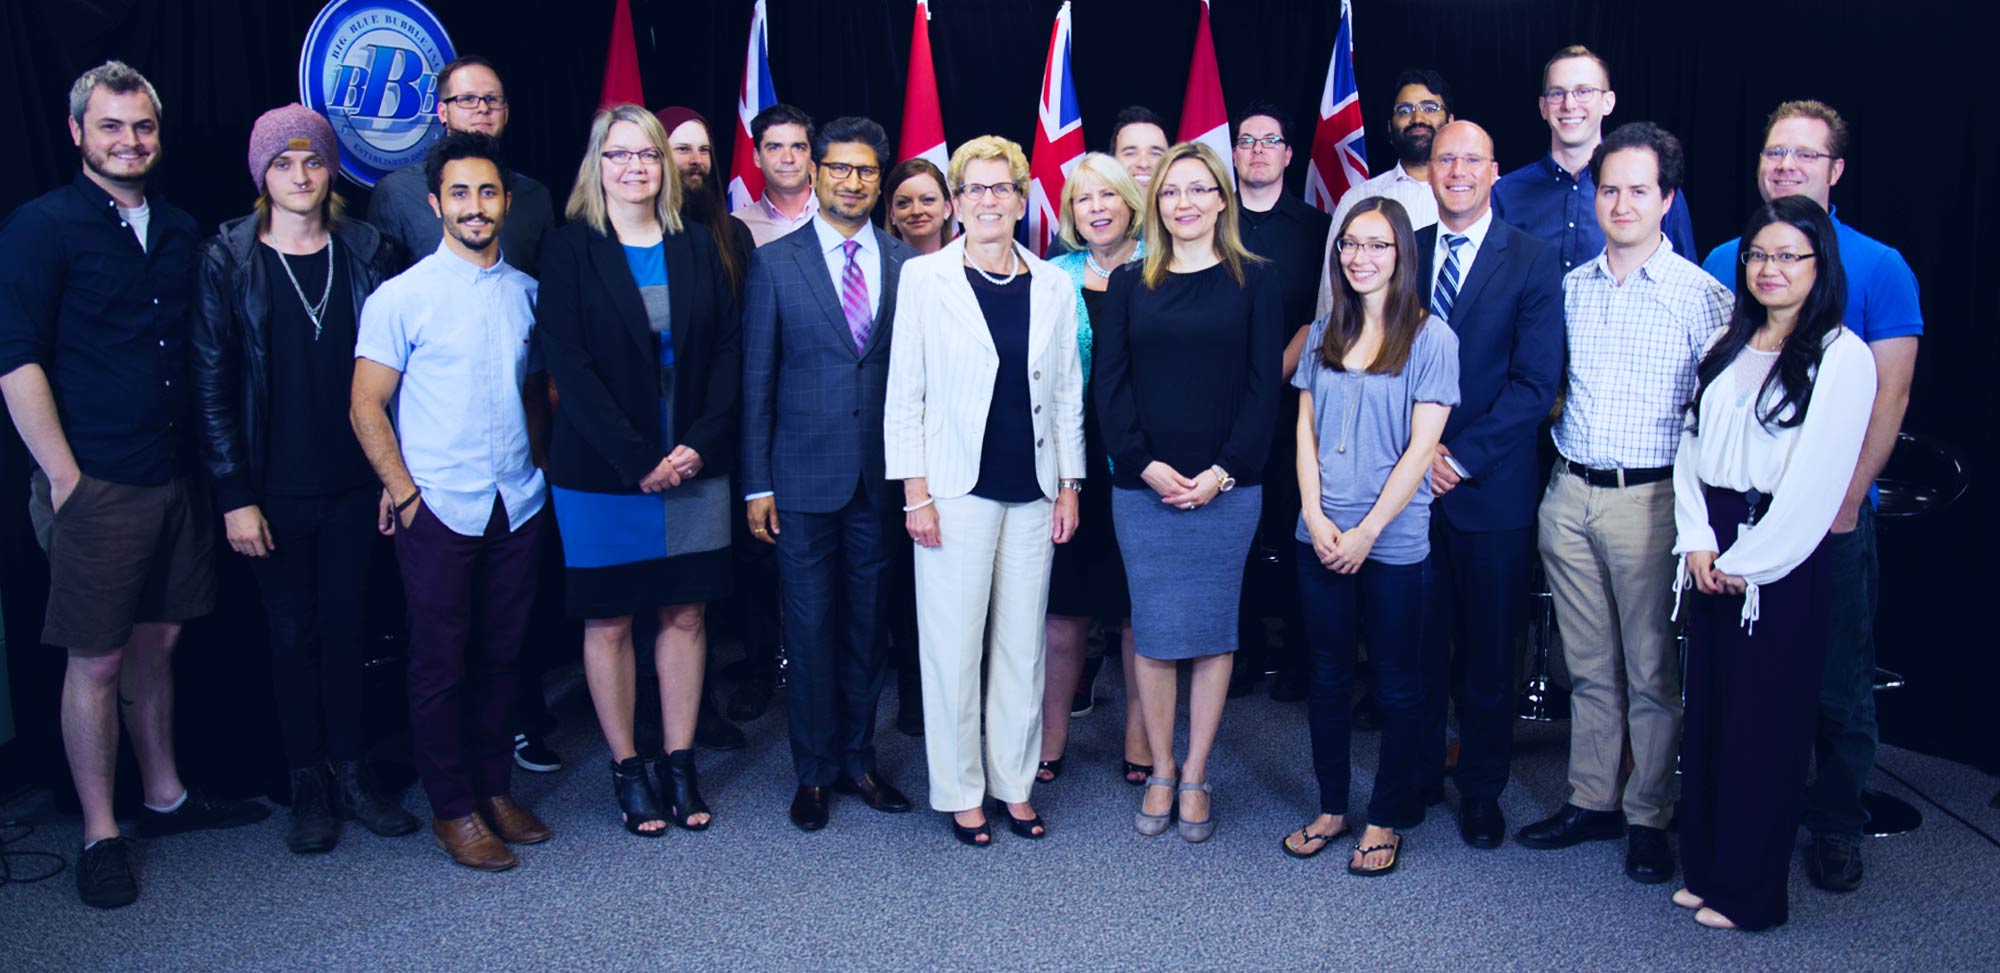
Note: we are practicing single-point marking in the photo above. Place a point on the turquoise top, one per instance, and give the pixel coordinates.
(1073, 264)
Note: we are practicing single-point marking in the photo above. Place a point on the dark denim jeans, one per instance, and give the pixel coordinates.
(1384, 603)
(1844, 747)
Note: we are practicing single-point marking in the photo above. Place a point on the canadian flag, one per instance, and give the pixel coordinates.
(746, 181)
(922, 135)
(621, 62)
(1058, 138)
(1204, 116)
(1339, 159)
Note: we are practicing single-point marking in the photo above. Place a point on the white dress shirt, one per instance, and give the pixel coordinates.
(1469, 250)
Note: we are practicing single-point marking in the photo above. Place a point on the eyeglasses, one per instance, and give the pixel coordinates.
(841, 170)
(1247, 143)
(1786, 260)
(1001, 191)
(1776, 154)
(1470, 161)
(469, 102)
(1583, 94)
(1172, 195)
(1406, 109)
(1373, 248)
(619, 157)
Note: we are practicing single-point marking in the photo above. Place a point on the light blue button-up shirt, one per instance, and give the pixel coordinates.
(460, 335)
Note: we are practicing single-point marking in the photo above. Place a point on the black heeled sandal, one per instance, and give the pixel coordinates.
(636, 801)
(1048, 770)
(979, 836)
(1142, 771)
(683, 794)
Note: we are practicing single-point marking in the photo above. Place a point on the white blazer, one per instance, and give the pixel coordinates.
(941, 369)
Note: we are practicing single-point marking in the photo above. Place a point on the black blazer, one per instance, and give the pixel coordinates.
(1509, 321)
(604, 359)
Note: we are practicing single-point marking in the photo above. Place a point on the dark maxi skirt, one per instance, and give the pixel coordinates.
(1747, 732)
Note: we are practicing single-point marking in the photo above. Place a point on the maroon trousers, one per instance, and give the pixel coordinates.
(469, 599)
(1747, 731)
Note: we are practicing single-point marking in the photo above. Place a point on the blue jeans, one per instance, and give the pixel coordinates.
(1844, 747)
(1385, 602)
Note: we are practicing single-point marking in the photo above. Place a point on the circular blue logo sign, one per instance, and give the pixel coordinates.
(370, 67)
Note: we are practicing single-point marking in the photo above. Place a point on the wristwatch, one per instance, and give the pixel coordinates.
(1223, 481)
(1074, 486)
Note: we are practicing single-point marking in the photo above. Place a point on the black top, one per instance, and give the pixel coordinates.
(107, 320)
(313, 451)
(1188, 373)
(1292, 235)
(1007, 453)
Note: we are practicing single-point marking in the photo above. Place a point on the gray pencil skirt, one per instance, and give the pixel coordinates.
(1185, 569)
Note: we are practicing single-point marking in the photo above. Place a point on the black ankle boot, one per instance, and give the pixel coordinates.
(314, 828)
(679, 790)
(356, 799)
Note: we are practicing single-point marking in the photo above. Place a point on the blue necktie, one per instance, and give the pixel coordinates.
(1447, 286)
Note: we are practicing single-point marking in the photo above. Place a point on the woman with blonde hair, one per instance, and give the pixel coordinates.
(1099, 222)
(639, 326)
(1188, 360)
(984, 426)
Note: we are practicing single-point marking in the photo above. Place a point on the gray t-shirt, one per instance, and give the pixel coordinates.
(400, 207)
(1370, 415)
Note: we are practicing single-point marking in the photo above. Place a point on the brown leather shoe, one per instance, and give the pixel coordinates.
(471, 844)
(514, 824)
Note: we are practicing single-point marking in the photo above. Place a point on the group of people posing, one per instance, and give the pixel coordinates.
(925, 416)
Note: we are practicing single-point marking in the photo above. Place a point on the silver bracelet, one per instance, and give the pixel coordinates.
(913, 508)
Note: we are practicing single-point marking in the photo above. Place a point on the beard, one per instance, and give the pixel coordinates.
(457, 231)
(101, 162)
(1413, 144)
(702, 199)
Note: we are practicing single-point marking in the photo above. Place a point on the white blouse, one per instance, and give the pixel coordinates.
(1805, 468)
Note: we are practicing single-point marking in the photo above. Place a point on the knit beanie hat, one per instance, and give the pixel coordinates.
(282, 130)
(674, 116)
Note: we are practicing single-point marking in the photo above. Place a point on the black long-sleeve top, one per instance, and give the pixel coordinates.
(1189, 373)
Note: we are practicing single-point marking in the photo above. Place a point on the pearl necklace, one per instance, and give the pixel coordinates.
(996, 281)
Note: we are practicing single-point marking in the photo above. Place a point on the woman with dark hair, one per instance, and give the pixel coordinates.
(920, 212)
(640, 329)
(1376, 383)
(1772, 437)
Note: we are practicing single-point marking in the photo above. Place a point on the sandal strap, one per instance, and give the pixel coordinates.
(1152, 781)
(1188, 785)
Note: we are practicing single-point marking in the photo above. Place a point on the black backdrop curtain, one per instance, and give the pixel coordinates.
(1905, 75)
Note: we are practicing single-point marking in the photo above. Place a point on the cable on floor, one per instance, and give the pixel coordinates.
(1932, 801)
(10, 861)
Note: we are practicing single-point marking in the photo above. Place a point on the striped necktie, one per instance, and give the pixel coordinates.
(1447, 286)
(854, 298)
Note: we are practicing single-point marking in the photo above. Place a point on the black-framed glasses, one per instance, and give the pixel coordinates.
(841, 170)
(1777, 154)
(1002, 191)
(1170, 194)
(620, 157)
(1583, 94)
(1272, 142)
(1785, 259)
(1406, 109)
(469, 102)
(1373, 248)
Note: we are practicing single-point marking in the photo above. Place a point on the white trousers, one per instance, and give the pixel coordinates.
(982, 592)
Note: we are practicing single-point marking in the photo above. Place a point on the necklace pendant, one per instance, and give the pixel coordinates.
(1342, 448)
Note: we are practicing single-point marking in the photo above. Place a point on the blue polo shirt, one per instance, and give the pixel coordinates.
(1546, 202)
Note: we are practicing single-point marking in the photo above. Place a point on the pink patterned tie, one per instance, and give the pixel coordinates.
(854, 298)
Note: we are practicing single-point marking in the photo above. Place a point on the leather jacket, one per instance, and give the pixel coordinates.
(232, 346)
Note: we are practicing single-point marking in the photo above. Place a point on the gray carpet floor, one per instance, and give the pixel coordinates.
(895, 892)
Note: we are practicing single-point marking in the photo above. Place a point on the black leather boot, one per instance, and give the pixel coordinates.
(314, 828)
(356, 799)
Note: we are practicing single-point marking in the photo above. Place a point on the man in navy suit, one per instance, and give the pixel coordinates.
(817, 313)
(1501, 291)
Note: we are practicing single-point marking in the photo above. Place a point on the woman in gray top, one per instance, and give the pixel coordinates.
(1378, 379)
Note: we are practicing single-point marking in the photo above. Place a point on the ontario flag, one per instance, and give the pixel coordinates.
(922, 135)
(746, 181)
(1204, 117)
(1058, 138)
(1339, 160)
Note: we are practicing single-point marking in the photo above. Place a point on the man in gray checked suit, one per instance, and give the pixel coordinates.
(817, 310)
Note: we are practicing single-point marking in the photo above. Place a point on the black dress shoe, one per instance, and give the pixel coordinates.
(1834, 865)
(751, 697)
(314, 827)
(1572, 826)
(1647, 857)
(874, 792)
(809, 808)
(1480, 822)
(357, 796)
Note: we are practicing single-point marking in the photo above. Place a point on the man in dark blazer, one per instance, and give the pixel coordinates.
(1501, 291)
(818, 308)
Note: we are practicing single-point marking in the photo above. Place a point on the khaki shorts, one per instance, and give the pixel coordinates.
(120, 555)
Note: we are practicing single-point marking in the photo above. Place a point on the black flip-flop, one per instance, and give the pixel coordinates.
(1395, 850)
(1323, 839)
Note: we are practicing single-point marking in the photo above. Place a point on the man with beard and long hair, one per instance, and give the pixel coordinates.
(462, 492)
(1422, 106)
(97, 289)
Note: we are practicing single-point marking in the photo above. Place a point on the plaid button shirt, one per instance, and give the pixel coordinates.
(1633, 348)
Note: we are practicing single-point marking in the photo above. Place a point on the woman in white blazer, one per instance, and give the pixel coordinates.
(984, 426)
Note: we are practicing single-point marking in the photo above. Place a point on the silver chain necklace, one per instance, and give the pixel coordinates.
(1346, 413)
(997, 281)
(313, 311)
